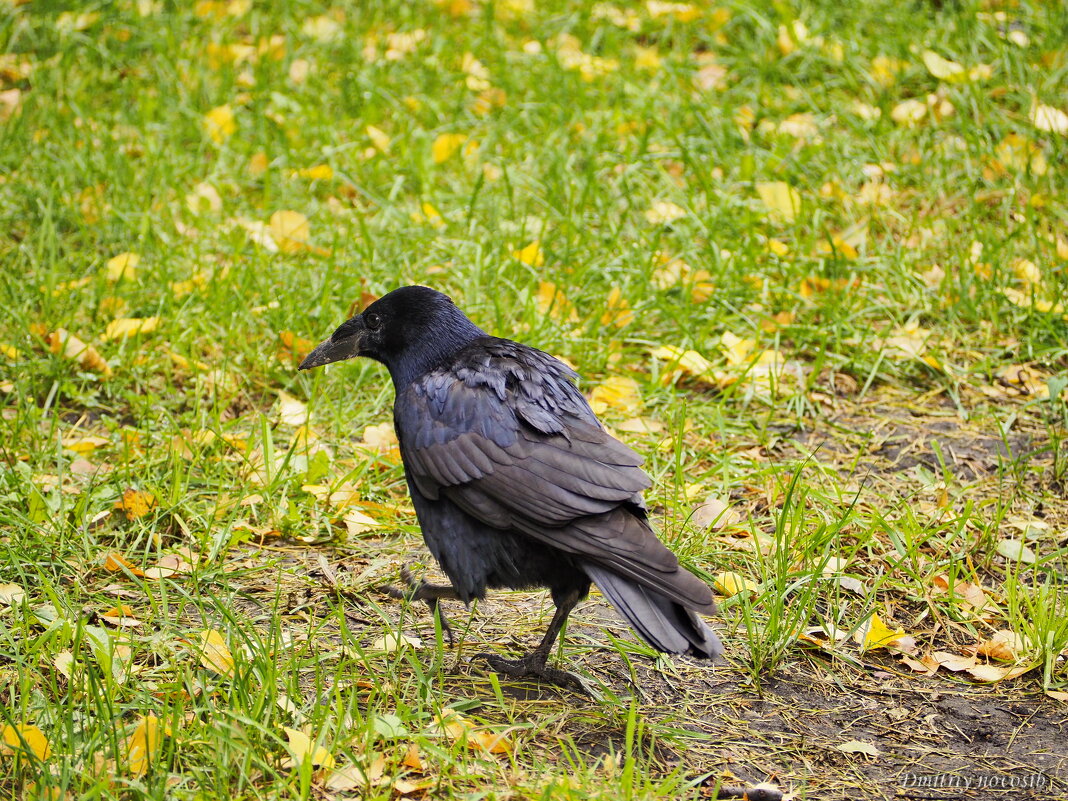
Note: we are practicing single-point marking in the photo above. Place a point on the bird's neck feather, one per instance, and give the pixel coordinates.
(448, 337)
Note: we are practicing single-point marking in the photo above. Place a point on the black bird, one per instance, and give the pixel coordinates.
(515, 482)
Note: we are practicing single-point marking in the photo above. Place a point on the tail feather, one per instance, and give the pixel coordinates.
(665, 624)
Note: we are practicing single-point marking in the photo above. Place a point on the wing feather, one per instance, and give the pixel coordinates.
(504, 434)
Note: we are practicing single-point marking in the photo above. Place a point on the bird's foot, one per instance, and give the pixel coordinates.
(535, 665)
(430, 594)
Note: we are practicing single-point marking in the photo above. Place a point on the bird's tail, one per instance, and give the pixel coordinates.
(666, 625)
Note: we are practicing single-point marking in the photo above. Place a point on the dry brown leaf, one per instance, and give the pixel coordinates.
(407, 786)
(997, 672)
(926, 664)
(970, 593)
(1004, 645)
(168, 565)
(713, 514)
(858, 747)
(954, 662)
(122, 615)
(351, 777)
(390, 643)
(412, 759)
(294, 348)
(356, 522)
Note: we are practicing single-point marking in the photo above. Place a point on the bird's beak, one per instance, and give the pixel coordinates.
(335, 349)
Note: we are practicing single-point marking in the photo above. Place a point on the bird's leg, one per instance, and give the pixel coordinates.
(431, 594)
(534, 663)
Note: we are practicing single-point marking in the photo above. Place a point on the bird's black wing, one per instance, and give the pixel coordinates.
(502, 432)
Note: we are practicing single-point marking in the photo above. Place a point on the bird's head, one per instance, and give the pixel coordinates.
(409, 330)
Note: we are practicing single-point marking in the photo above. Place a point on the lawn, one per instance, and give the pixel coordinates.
(810, 259)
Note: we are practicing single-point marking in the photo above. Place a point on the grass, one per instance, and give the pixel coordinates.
(883, 386)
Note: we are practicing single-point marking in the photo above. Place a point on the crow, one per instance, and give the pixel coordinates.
(515, 482)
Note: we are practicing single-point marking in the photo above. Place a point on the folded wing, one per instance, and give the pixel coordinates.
(504, 434)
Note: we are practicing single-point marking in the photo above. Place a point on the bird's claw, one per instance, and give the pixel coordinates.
(535, 665)
(422, 590)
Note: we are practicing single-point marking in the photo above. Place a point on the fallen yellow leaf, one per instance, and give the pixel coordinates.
(25, 738)
(858, 747)
(391, 643)
(616, 392)
(994, 673)
(552, 301)
(445, 145)
(681, 12)
(257, 164)
(781, 200)
(219, 123)
(909, 113)
(379, 138)
(687, 362)
(663, 212)
(130, 326)
(114, 562)
(135, 503)
(214, 654)
(617, 310)
(11, 593)
(143, 745)
(291, 411)
(319, 172)
(84, 445)
(876, 634)
(123, 266)
(1048, 119)
(304, 749)
(457, 728)
(203, 199)
(356, 522)
(943, 68)
(531, 254)
(729, 584)
(62, 342)
(289, 230)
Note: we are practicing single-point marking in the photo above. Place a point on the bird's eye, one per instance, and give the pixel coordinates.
(372, 321)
